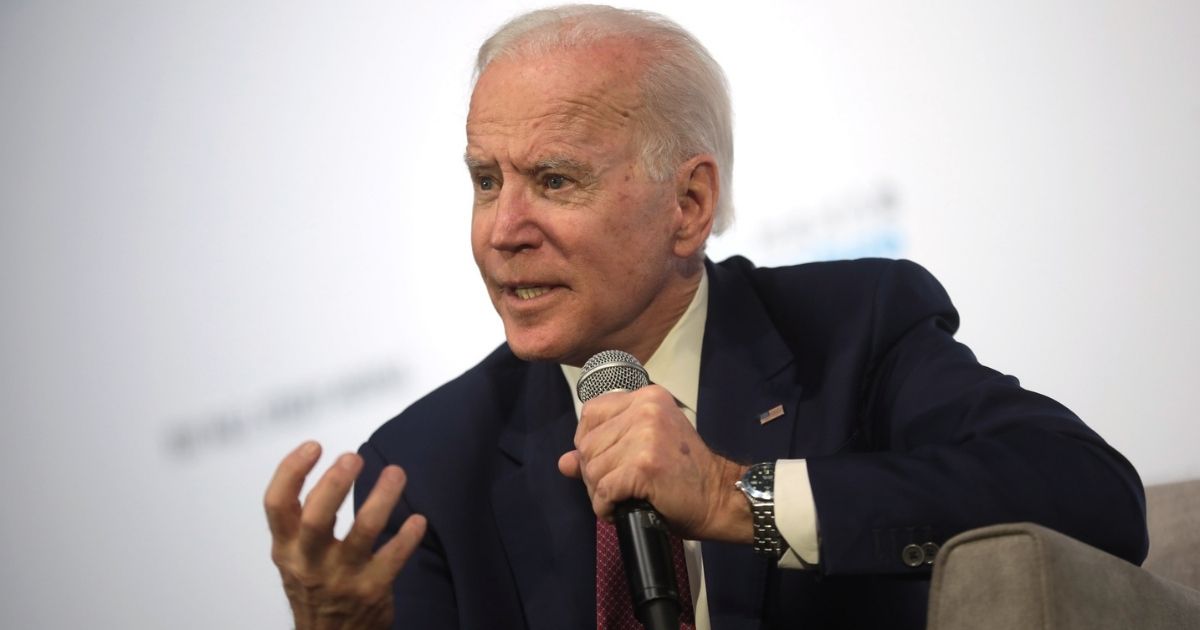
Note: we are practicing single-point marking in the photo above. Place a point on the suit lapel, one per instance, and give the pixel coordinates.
(746, 370)
(545, 519)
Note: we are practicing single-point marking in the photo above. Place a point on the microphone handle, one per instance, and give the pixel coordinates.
(649, 565)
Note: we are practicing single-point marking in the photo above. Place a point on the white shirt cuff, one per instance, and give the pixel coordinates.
(796, 514)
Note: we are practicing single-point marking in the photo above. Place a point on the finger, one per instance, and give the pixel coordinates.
(320, 507)
(282, 499)
(601, 505)
(622, 484)
(605, 477)
(659, 395)
(604, 435)
(372, 517)
(569, 465)
(600, 474)
(599, 410)
(394, 553)
(593, 469)
(630, 469)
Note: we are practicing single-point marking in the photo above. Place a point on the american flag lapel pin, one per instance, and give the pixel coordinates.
(770, 414)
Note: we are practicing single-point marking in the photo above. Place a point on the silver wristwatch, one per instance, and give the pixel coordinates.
(758, 484)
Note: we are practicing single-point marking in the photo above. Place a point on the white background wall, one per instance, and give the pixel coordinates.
(230, 226)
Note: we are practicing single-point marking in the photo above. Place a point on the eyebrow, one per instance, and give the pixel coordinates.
(551, 163)
(473, 163)
(559, 163)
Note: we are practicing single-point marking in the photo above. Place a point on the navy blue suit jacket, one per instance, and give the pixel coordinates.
(908, 440)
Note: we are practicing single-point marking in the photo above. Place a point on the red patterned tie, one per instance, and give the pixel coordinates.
(614, 606)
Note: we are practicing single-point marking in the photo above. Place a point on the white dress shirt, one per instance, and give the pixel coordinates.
(675, 366)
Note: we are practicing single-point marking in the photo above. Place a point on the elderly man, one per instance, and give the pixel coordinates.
(599, 147)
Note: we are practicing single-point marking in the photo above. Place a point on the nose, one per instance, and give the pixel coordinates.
(514, 224)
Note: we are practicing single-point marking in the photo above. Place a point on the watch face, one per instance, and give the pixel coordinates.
(760, 494)
(757, 488)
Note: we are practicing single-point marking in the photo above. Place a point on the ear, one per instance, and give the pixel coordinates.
(697, 188)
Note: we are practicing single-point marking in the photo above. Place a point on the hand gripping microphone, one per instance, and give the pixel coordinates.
(641, 532)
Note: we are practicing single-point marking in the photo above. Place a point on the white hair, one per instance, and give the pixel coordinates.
(686, 95)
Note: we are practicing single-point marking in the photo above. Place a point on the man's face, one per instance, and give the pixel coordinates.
(573, 240)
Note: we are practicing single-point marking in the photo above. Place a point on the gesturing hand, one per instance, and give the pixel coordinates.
(639, 445)
(332, 583)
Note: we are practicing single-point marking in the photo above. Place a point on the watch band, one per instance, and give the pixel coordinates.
(758, 484)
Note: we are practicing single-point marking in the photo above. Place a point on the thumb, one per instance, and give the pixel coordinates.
(568, 464)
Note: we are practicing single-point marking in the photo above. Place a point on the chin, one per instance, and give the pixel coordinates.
(531, 354)
(530, 348)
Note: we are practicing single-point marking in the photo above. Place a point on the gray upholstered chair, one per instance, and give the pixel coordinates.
(1024, 576)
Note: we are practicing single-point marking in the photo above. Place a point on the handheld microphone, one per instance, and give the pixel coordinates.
(641, 532)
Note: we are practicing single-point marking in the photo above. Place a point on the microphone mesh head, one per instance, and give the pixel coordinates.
(610, 370)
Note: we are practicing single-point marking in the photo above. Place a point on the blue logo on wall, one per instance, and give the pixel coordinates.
(862, 224)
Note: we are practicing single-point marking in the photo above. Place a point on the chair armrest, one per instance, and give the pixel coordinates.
(1025, 576)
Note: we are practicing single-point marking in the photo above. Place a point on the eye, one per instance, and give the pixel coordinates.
(486, 182)
(555, 182)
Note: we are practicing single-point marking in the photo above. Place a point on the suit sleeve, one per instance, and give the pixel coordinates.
(423, 592)
(951, 445)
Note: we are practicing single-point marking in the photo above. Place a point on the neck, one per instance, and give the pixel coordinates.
(674, 302)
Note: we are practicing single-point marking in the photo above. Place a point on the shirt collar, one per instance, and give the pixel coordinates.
(675, 365)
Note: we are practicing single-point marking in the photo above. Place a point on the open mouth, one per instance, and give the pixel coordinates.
(528, 293)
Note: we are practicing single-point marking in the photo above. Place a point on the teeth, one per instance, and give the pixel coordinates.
(526, 293)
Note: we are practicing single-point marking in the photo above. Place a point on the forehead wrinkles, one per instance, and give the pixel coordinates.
(584, 120)
(604, 112)
(587, 106)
